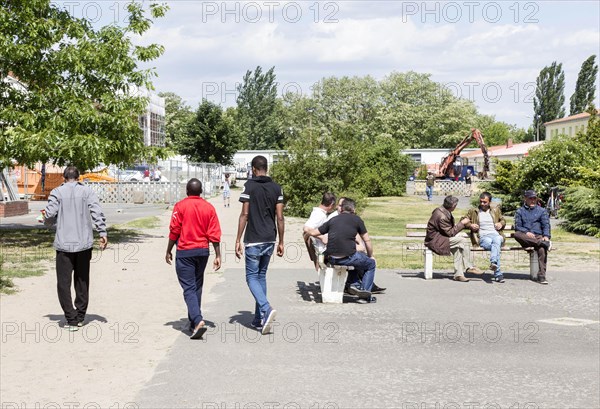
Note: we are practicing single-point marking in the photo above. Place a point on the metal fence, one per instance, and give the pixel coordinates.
(442, 188)
(177, 172)
(172, 189)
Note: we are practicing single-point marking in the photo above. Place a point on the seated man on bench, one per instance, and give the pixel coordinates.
(532, 229)
(318, 216)
(486, 224)
(442, 238)
(341, 246)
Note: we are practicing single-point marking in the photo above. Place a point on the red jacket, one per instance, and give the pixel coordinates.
(194, 224)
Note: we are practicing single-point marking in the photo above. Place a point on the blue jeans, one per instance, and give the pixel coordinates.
(361, 261)
(429, 191)
(190, 272)
(493, 243)
(257, 262)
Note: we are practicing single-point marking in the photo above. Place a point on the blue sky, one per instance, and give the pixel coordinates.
(490, 52)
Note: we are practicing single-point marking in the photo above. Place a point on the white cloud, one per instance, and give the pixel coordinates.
(205, 47)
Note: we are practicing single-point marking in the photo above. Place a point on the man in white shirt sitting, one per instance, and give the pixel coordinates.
(318, 216)
(486, 224)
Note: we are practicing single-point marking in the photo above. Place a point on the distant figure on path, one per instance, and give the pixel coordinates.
(429, 183)
(226, 192)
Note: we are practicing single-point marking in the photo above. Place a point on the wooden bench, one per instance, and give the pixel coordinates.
(332, 278)
(420, 230)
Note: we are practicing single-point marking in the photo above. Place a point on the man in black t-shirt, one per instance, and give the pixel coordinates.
(341, 246)
(262, 204)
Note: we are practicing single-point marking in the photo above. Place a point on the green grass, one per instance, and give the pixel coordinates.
(142, 223)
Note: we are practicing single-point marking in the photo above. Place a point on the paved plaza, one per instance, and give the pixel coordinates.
(424, 344)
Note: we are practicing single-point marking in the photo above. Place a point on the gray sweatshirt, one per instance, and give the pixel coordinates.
(72, 204)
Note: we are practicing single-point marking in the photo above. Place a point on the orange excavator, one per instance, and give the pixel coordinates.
(447, 168)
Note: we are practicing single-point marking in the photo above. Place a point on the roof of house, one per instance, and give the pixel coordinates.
(504, 150)
(571, 118)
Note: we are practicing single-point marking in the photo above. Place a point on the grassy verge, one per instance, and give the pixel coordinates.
(27, 252)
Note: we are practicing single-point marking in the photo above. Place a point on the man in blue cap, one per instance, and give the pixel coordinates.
(532, 229)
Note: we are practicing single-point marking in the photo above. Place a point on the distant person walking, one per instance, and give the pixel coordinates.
(226, 192)
(194, 224)
(469, 183)
(74, 207)
(262, 219)
(429, 183)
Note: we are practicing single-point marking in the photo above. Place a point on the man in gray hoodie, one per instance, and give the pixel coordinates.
(74, 206)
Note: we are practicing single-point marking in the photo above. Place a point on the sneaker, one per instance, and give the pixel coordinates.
(494, 267)
(71, 327)
(256, 324)
(474, 270)
(542, 280)
(462, 279)
(268, 321)
(499, 278)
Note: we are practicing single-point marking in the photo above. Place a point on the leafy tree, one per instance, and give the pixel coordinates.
(383, 169)
(549, 96)
(257, 110)
(78, 103)
(585, 88)
(178, 115)
(581, 209)
(348, 167)
(209, 136)
(498, 133)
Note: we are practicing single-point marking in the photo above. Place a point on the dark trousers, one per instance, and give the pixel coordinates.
(535, 243)
(190, 272)
(74, 266)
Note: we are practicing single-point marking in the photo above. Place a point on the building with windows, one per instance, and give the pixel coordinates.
(152, 121)
(569, 125)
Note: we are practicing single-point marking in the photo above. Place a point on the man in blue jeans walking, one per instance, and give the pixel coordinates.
(194, 225)
(262, 219)
(341, 247)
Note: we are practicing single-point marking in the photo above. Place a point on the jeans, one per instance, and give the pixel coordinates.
(257, 262)
(429, 191)
(493, 243)
(190, 272)
(361, 261)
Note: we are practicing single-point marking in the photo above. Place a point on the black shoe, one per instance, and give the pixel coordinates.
(377, 290)
(545, 244)
(542, 280)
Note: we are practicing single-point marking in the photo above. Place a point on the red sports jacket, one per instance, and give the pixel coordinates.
(194, 224)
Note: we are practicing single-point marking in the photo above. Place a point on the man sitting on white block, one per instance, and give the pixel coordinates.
(318, 217)
(341, 246)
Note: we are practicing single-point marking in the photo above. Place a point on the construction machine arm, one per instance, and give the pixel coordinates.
(446, 168)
